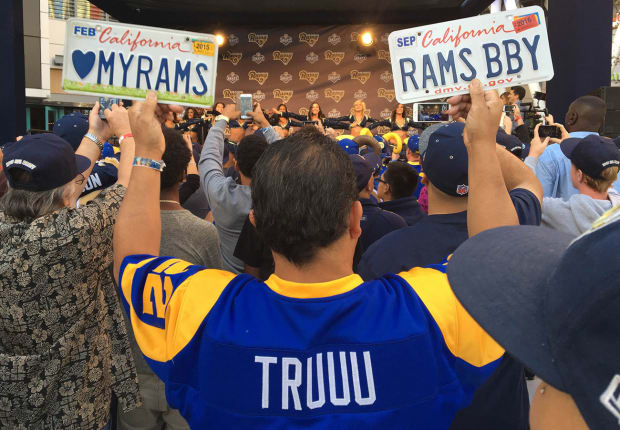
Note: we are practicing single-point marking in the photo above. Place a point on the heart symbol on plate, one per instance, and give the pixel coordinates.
(83, 62)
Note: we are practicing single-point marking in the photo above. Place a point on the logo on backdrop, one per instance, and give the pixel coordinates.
(258, 58)
(385, 113)
(336, 57)
(334, 39)
(231, 94)
(385, 38)
(284, 95)
(259, 77)
(360, 76)
(310, 77)
(333, 77)
(333, 113)
(233, 39)
(286, 40)
(336, 95)
(310, 39)
(312, 96)
(360, 95)
(259, 39)
(355, 36)
(286, 77)
(384, 55)
(233, 57)
(259, 96)
(386, 76)
(386, 94)
(303, 111)
(360, 58)
(285, 57)
(232, 77)
(312, 58)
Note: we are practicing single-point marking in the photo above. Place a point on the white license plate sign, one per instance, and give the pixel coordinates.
(124, 61)
(439, 60)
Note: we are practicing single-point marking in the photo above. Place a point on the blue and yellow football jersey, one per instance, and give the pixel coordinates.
(239, 353)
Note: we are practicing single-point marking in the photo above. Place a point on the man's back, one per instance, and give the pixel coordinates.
(343, 353)
(407, 207)
(377, 222)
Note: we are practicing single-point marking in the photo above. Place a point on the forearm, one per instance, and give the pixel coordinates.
(90, 150)
(128, 150)
(212, 150)
(488, 203)
(516, 174)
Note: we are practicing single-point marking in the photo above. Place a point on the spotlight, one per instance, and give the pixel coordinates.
(220, 39)
(366, 38)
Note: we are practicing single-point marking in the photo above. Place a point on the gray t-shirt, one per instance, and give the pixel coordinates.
(191, 239)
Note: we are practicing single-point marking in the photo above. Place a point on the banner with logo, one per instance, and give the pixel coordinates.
(302, 65)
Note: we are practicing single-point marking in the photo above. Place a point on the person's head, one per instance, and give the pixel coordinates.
(400, 110)
(413, 148)
(43, 174)
(358, 108)
(510, 142)
(587, 113)
(366, 167)
(72, 128)
(248, 153)
(516, 94)
(398, 181)
(190, 113)
(594, 163)
(219, 107)
(282, 108)
(505, 98)
(554, 309)
(445, 162)
(315, 110)
(176, 157)
(304, 197)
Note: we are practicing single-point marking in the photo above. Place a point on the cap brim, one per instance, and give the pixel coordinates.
(568, 145)
(500, 277)
(81, 163)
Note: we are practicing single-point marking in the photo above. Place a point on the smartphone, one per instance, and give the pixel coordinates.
(244, 101)
(431, 112)
(552, 131)
(106, 103)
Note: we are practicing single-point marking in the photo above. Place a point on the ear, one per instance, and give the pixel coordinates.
(252, 219)
(355, 216)
(571, 118)
(236, 166)
(580, 178)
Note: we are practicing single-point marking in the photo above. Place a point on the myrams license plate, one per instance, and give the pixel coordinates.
(439, 60)
(124, 61)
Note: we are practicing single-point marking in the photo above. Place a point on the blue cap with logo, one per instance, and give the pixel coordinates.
(72, 127)
(365, 167)
(48, 158)
(349, 146)
(510, 142)
(413, 143)
(444, 158)
(591, 154)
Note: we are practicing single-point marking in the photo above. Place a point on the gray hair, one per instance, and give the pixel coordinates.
(27, 205)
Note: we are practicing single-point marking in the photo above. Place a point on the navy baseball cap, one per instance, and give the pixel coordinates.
(349, 146)
(444, 158)
(591, 155)
(555, 308)
(365, 167)
(48, 158)
(72, 127)
(510, 142)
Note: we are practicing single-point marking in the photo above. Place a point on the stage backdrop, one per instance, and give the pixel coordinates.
(305, 65)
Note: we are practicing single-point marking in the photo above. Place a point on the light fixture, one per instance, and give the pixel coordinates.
(219, 39)
(366, 38)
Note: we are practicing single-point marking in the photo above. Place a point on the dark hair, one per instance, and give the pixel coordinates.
(249, 151)
(404, 111)
(321, 115)
(176, 156)
(402, 179)
(219, 103)
(285, 108)
(196, 114)
(302, 192)
(520, 91)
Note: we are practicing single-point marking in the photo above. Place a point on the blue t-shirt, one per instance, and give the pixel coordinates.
(238, 353)
(377, 222)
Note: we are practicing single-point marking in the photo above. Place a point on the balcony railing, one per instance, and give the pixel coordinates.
(65, 9)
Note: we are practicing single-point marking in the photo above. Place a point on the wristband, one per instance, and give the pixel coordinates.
(94, 139)
(147, 162)
(123, 137)
(517, 118)
(224, 117)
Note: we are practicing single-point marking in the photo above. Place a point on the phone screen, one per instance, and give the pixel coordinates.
(432, 112)
(106, 103)
(549, 131)
(245, 105)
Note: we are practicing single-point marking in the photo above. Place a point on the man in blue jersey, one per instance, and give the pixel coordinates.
(313, 346)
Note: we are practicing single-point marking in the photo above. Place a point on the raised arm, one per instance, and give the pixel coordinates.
(384, 123)
(258, 117)
(294, 115)
(118, 120)
(330, 122)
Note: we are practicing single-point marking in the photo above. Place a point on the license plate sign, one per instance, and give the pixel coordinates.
(504, 49)
(124, 61)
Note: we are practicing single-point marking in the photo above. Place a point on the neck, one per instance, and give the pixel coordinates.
(171, 194)
(596, 195)
(245, 180)
(440, 203)
(399, 116)
(364, 194)
(333, 262)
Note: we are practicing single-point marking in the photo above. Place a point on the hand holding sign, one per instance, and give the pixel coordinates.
(146, 128)
(483, 117)
(118, 120)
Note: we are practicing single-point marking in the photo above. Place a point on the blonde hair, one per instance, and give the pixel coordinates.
(608, 177)
(363, 107)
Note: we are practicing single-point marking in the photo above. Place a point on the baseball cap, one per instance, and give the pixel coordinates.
(591, 155)
(365, 167)
(72, 127)
(413, 143)
(510, 142)
(50, 160)
(444, 158)
(555, 308)
(349, 146)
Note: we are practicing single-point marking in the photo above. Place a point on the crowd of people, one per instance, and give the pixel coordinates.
(202, 271)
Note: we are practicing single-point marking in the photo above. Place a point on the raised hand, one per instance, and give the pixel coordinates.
(231, 111)
(483, 116)
(146, 127)
(459, 106)
(118, 120)
(97, 126)
(537, 147)
(258, 117)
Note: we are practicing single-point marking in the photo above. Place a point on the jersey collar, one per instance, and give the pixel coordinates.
(313, 291)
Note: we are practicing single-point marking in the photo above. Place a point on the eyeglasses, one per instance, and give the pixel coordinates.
(80, 179)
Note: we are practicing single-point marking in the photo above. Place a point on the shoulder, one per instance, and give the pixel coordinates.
(394, 219)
